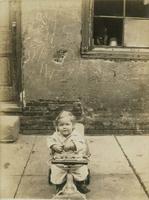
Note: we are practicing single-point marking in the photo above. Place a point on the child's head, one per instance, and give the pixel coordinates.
(65, 123)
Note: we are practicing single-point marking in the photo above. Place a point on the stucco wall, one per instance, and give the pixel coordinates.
(115, 94)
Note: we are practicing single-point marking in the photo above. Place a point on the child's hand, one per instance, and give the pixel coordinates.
(57, 148)
(69, 146)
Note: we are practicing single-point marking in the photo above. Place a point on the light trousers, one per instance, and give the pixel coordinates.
(60, 171)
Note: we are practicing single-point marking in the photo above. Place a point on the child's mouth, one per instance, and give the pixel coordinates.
(65, 131)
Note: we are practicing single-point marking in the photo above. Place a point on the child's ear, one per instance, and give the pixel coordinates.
(56, 128)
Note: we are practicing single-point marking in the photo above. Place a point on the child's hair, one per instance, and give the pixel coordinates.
(65, 114)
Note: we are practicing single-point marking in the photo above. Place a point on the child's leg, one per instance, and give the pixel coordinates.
(58, 174)
(80, 174)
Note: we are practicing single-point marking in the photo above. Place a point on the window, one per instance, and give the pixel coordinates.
(115, 29)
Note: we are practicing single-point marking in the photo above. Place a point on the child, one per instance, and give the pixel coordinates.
(67, 140)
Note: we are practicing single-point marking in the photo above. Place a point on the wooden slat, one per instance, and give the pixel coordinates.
(85, 24)
(4, 13)
(5, 44)
(6, 93)
(6, 85)
(124, 53)
(5, 72)
(106, 16)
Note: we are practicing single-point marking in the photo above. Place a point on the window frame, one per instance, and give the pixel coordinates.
(89, 50)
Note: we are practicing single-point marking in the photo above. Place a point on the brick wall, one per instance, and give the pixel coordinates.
(38, 117)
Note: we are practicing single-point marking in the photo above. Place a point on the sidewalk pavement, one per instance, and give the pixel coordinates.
(119, 168)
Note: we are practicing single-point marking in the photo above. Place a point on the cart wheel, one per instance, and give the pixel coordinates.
(49, 177)
(88, 178)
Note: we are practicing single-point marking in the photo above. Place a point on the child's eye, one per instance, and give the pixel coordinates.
(65, 124)
(68, 124)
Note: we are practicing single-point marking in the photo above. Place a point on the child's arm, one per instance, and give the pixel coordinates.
(80, 143)
(53, 144)
(57, 148)
(70, 146)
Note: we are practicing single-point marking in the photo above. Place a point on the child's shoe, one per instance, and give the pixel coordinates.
(82, 187)
(59, 187)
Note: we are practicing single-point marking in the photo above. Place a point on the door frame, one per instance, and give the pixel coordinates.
(15, 58)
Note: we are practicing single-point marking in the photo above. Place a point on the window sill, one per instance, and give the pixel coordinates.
(116, 53)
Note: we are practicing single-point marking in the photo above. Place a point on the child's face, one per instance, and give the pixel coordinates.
(65, 126)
